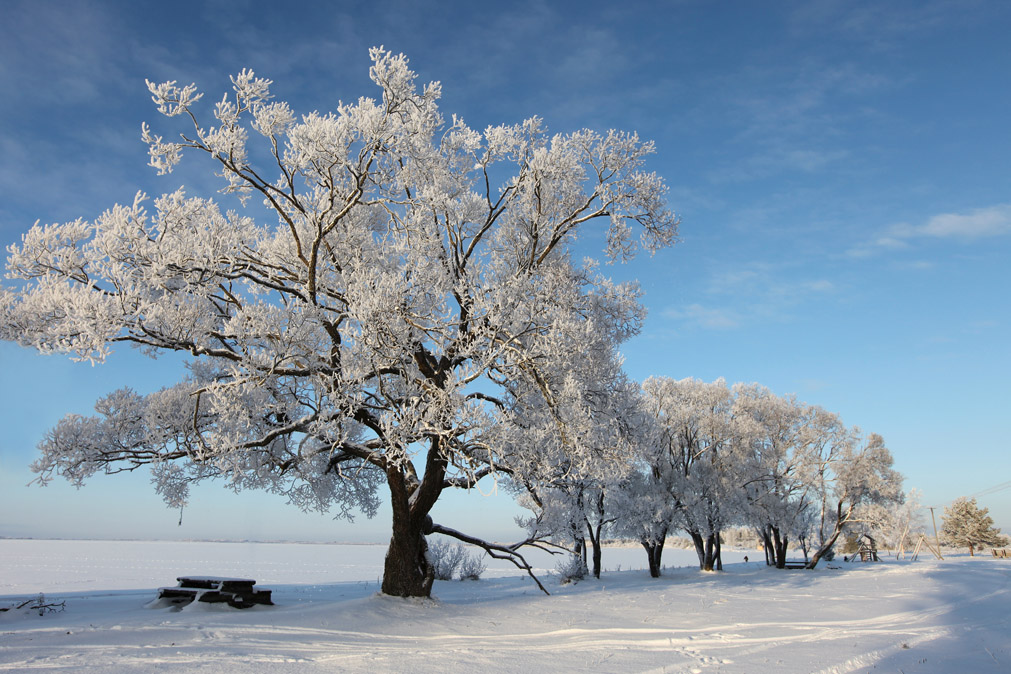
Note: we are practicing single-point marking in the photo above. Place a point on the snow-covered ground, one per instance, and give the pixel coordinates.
(894, 616)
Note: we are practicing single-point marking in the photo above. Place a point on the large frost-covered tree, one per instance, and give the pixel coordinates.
(370, 331)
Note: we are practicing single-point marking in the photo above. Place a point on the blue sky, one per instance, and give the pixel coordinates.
(842, 168)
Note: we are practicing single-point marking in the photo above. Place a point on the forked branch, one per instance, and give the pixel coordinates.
(499, 551)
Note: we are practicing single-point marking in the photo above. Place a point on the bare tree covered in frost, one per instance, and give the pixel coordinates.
(415, 269)
(809, 476)
(714, 457)
(573, 454)
(893, 524)
(771, 438)
(853, 477)
(821, 440)
(647, 509)
(692, 460)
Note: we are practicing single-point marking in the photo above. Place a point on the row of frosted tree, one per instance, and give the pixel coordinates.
(698, 458)
(390, 307)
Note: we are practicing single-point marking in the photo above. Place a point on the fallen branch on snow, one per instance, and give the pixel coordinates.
(37, 604)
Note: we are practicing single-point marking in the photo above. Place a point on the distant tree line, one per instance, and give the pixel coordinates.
(697, 458)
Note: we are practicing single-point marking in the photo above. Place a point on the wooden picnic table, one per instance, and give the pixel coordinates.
(236, 592)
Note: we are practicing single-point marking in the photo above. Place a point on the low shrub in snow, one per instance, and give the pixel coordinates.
(571, 569)
(472, 567)
(445, 558)
(449, 558)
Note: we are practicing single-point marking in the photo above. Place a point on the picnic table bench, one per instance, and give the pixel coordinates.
(795, 565)
(236, 592)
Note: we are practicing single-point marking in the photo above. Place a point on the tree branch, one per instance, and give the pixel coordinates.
(498, 551)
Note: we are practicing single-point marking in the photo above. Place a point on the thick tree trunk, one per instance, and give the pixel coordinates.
(707, 550)
(595, 544)
(770, 559)
(407, 572)
(824, 548)
(654, 551)
(708, 564)
(579, 547)
(700, 547)
(596, 533)
(779, 545)
(840, 525)
(719, 553)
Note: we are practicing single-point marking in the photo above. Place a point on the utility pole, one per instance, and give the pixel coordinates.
(936, 539)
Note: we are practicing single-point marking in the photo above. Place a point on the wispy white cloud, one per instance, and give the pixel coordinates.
(981, 223)
(819, 286)
(764, 283)
(776, 159)
(915, 265)
(731, 280)
(750, 294)
(881, 25)
(705, 317)
(797, 118)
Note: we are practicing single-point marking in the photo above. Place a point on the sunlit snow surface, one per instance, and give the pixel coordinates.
(924, 616)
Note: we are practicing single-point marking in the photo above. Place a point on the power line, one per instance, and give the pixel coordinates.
(992, 490)
(985, 492)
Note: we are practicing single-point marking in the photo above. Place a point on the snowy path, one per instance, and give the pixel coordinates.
(896, 616)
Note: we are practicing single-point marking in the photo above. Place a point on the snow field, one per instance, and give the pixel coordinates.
(924, 616)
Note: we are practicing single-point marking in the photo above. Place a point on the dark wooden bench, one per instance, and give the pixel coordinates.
(236, 592)
(795, 565)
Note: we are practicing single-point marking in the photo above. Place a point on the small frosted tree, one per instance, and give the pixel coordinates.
(965, 524)
(771, 442)
(573, 455)
(809, 477)
(853, 475)
(370, 332)
(647, 508)
(892, 524)
(692, 459)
